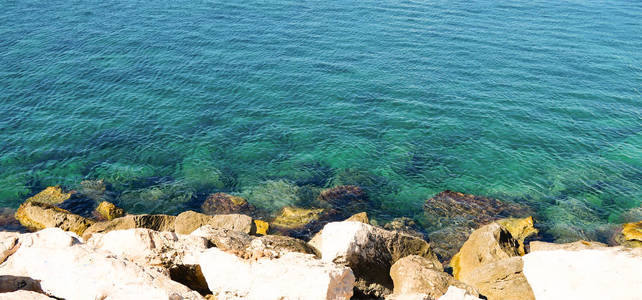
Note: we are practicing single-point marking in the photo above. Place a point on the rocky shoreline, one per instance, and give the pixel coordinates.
(484, 249)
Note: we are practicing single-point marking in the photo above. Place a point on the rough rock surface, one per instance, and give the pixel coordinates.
(485, 245)
(108, 211)
(36, 216)
(224, 239)
(447, 241)
(601, 273)
(359, 217)
(370, 252)
(231, 277)
(520, 229)
(293, 217)
(51, 195)
(149, 247)
(24, 295)
(154, 222)
(418, 275)
(500, 280)
(189, 221)
(57, 259)
(279, 245)
(222, 203)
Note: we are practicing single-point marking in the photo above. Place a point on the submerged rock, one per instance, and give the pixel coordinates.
(599, 273)
(301, 222)
(405, 225)
(73, 270)
(291, 276)
(370, 252)
(221, 203)
(51, 195)
(108, 211)
(35, 216)
(452, 208)
(154, 222)
(347, 199)
(188, 221)
(452, 216)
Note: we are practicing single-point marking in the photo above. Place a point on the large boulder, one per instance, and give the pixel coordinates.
(51, 195)
(370, 252)
(222, 203)
(500, 280)
(598, 273)
(188, 221)
(173, 254)
(418, 275)
(278, 245)
(452, 216)
(67, 268)
(291, 276)
(453, 293)
(154, 222)
(485, 245)
(35, 216)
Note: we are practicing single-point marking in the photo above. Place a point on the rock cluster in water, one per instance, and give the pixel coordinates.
(305, 253)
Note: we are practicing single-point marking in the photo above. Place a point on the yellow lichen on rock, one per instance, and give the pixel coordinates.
(109, 211)
(291, 217)
(262, 227)
(35, 216)
(520, 229)
(50, 195)
(631, 234)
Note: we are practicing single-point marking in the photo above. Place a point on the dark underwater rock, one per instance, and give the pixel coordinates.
(222, 203)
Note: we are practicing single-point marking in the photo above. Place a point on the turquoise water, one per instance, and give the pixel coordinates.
(537, 102)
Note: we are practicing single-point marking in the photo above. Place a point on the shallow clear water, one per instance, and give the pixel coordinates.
(537, 102)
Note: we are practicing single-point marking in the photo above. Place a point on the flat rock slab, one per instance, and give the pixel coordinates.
(604, 273)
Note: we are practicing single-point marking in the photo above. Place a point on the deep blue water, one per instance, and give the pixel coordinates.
(536, 102)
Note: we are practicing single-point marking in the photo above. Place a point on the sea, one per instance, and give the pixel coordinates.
(534, 102)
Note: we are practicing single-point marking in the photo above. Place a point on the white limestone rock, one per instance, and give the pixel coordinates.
(455, 293)
(24, 295)
(599, 273)
(291, 276)
(149, 247)
(67, 268)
